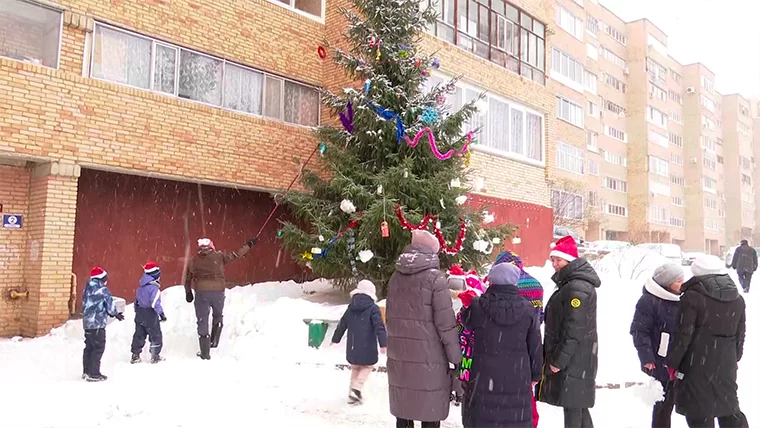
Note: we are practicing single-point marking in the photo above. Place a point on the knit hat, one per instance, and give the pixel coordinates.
(565, 248)
(206, 242)
(99, 273)
(667, 274)
(504, 274)
(425, 239)
(365, 287)
(706, 265)
(152, 269)
(509, 257)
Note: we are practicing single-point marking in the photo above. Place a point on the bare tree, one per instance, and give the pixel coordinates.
(573, 206)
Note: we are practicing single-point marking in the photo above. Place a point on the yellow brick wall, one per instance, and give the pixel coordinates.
(14, 196)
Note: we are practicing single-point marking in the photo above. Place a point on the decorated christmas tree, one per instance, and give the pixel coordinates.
(397, 161)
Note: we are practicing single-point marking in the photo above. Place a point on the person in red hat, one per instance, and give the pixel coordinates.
(148, 314)
(97, 306)
(570, 338)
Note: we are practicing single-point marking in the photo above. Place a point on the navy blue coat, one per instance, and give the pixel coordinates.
(654, 324)
(365, 331)
(508, 355)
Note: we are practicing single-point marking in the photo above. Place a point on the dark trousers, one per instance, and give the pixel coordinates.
(745, 279)
(94, 346)
(737, 420)
(664, 409)
(405, 423)
(147, 324)
(578, 418)
(205, 301)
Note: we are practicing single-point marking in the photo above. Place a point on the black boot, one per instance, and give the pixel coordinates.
(216, 333)
(135, 358)
(205, 344)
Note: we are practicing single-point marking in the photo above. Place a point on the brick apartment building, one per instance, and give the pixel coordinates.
(129, 129)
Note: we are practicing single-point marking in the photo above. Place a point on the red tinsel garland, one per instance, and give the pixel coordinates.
(456, 248)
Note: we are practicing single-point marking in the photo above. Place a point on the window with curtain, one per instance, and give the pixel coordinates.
(567, 205)
(570, 158)
(243, 89)
(570, 111)
(200, 78)
(308, 7)
(121, 57)
(30, 32)
(301, 104)
(165, 69)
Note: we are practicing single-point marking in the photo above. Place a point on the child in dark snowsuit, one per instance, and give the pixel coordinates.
(97, 306)
(365, 331)
(148, 314)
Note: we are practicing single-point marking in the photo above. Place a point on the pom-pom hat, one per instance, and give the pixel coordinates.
(99, 273)
(152, 269)
(565, 249)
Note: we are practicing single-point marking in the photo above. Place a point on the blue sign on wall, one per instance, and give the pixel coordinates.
(12, 221)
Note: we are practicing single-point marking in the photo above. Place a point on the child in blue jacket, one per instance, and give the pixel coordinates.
(97, 306)
(148, 314)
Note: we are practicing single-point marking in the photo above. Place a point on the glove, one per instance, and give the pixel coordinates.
(119, 316)
(162, 317)
(251, 242)
(671, 373)
(189, 296)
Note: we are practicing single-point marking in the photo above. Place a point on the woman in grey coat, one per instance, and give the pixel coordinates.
(423, 345)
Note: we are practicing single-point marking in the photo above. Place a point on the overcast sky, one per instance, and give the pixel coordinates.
(722, 34)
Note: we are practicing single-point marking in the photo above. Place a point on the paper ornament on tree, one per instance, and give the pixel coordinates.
(429, 116)
(516, 240)
(347, 206)
(321, 238)
(487, 217)
(461, 199)
(455, 183)
(478, 184)
(316, 250)
(384, 232)
(380, 189)
(496, 241)
(365, 256)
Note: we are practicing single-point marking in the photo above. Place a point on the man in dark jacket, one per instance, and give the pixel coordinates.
(707, 347)
(570, 338)
(205, 274)
(654, 323)
(745, 263)
(507, 356)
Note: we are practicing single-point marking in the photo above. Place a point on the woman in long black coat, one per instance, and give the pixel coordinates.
(507, 356)
(707, 347)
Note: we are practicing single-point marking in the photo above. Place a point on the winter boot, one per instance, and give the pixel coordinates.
(95, 378)
(355, 397)
(155, 358)
(216, 333)
(135, 358)
(205, 344)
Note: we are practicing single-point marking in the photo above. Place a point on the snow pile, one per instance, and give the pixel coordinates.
(633, 263)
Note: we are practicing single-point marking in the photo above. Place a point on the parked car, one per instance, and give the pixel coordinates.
(562, 231)
(689, 257)
(670, 251)
(598, 249)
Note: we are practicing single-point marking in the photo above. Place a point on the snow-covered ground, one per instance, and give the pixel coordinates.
(263, 373)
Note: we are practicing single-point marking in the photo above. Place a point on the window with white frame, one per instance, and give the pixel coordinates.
(711, 224)
(617, 210)
(708, 123)
(657, 92)
(30, 32)
(677, 180)
(745, 162)
(711, 203)
(611, 57)
(656, 71)
(677, 77)
(677, 222)
(567, 70)
(657, 138)
(312, 8)
(593, 198)
(615, 158)
(615, 34)
(129, 59)
(747, 214)
(589, 81)
(747, 198)
(707, 103)
(720, 159)
(592, 25)
(658, 215)
(676, 117)
(659, 188)
(708, 84)
(709, 184)
(743, 128)
(610, 106)
(593, 109)
(658, 166)
(569, 22)
(657, 117)
(708, 143)
(676, 159)
(675, 140)
(592, 141)
(657, 45)
(615, 133)
(709, 163)
(677, 201)
(614, 82)
(593, 167)
(746, 179)
(570, 158)
(592, 51)
(675, 96)
(615, 184)
(567, 205)
(505, 126)
(570, 111)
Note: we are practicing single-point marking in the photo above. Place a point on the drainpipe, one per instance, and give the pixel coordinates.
(73, 294)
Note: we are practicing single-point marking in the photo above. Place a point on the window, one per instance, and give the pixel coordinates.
(593, 167)
(593, 198)
(657, 92)
(617, 210)
(567, 205)
(657, 72)
(592, 141)
(130, 59)
(676, 159)
(615, 184)
(567, 70)
(659, 187)
(614, 82)
(593, 109)
(657, 138)
(675, 96)
(658, 215)
(31, 33)
(569, 22)
(658, 118)
(609, 105)
(711, 224)
(711, 203)
(747, 198)
(718, 142)
(677, 201)
(744, 111)
(677, 222)
(743, 128)
(570, 158)
(676, 140)
(707, 103)
(311, 8)
(719, 124)
(677, 180)
(611, 57)
(506, 127)
(592, 52)
(709, 184)
(615, 34)
(592, 25)
(615, 158)
(589, 81)
(746, 179)
(615, 133)
(570, 112)
(708, 143)
(744, 162)
(677, 77)
(502, 34)
(658, 166)
(708, 85)
(709, 163)
(657, 45)
(708, 123)
(720, 159)
(676, 117)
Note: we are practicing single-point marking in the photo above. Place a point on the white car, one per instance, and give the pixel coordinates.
(671, 252)
(602, 248)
